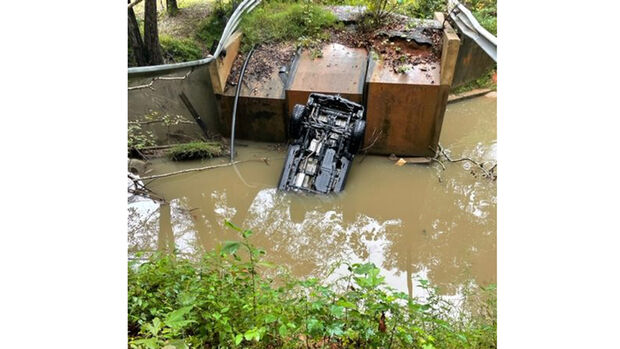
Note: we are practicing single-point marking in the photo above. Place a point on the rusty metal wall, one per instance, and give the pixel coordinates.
(471, 63)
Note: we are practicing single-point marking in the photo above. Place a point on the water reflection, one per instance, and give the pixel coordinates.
(404, 219)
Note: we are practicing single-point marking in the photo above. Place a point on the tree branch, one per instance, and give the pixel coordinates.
(265, 160)
(150, 84)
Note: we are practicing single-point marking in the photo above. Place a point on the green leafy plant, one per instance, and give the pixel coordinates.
(232, 297)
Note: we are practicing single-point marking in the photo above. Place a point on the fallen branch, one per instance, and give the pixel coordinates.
(487, 173)
(150, 84)
(140, 189)
(265, 160)
(148, 122)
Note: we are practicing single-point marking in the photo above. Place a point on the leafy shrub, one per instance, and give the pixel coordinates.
(233, 298)
(485, 12)
(422, 8)
(195, 150)
(179, 50)
(277, 21)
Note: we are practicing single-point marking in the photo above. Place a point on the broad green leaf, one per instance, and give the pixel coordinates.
(238, 339)
(231, 225)
(315, 326)
(363, 268)
(176, 319)
(151, 343)
(336, 310)
(154, 327)
(230, 247)
(253, 334)
(266, 264)
(177, 344)
(346, 304)
(283, 330)
(269, 318)
(247, 234)
(335, 329)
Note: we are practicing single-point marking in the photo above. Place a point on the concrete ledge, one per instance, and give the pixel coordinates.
(468, 94)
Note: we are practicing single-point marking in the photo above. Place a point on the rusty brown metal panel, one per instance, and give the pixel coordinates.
(258, 119)
(404, 117)
(472, 62)
(261, 113)
(341, 70)
(402, 109)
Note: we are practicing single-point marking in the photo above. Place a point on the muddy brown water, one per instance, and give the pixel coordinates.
(404, 219)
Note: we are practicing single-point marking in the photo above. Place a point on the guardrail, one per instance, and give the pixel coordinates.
(468, 25)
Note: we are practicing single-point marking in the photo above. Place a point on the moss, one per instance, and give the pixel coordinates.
(179, 50)
(485, 81)
(195, 150)
(276, 22)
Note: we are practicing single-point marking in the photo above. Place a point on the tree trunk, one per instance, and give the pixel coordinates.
(135, 39)
(151, 37)
(171, 6)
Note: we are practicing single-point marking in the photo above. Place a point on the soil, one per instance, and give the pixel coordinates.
(396, 52)
(265, 60)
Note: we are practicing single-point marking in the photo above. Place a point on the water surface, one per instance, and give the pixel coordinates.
(414, 221)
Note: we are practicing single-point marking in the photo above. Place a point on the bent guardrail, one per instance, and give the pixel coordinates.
(468, 25)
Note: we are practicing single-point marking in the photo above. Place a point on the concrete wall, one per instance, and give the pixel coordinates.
(164, 98)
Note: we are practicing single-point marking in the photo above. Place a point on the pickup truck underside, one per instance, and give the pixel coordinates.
(326, 134)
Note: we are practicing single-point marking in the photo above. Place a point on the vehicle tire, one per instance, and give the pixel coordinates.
(360, 115)
(295, 125)
(359, 128)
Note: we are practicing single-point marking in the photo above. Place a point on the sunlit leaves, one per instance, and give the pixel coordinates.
(234, 302)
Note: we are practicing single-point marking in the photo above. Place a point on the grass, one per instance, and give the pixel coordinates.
(195, 150)
(485, 81)
(233, 298)
(280, 21)
(179, 50)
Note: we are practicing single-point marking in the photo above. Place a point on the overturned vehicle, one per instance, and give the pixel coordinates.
(326, 134)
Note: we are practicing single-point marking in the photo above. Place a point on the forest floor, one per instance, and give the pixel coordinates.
(185, 22)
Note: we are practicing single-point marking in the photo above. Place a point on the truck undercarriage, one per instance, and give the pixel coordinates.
(326, 134)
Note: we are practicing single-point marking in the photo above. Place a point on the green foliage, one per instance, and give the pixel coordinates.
(421, 8)
(485, 12)
(485, 81)
(210, 29)
(179, 50)
(280, 21)
(233, 298)
(378, 10)
(195, 150)
(139, 136)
